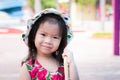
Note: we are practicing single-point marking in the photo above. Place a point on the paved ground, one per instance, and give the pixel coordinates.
(12, 50)
(94, 57)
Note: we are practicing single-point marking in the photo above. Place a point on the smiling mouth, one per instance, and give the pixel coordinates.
(47, 47)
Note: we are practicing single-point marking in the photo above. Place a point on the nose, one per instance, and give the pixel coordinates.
(47, 40)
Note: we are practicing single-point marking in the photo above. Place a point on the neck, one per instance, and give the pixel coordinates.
(44, 56)
(46, 59)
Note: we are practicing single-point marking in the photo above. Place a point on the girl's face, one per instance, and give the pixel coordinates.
(47, 38)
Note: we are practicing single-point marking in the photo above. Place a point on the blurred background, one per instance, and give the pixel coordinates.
(93, 26)
(81, 12)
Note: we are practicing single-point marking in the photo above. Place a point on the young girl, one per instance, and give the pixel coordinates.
(47, 36)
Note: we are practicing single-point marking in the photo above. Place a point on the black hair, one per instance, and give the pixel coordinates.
(63, 30)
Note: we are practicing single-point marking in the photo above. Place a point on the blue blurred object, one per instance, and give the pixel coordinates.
(13, 7)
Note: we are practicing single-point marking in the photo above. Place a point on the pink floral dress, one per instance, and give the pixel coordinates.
(38, 72)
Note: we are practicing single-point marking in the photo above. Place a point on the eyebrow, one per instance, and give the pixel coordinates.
(52, 35)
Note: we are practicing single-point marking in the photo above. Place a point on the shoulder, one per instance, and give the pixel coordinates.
(24, 74)
(61, 69)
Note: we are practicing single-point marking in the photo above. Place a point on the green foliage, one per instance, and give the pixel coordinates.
(86, 2)
(31, 3)
(44, 4)
(64, 4)
(48, 4)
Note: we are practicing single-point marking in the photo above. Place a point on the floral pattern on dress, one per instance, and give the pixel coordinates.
(38, 72)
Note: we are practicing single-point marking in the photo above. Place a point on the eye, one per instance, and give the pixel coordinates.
(56, 37)
(43, 34)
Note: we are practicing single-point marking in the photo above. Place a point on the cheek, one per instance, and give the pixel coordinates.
(37, 39)
(57, 43)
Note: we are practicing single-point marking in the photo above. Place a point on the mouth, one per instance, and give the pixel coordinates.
(46, 47)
